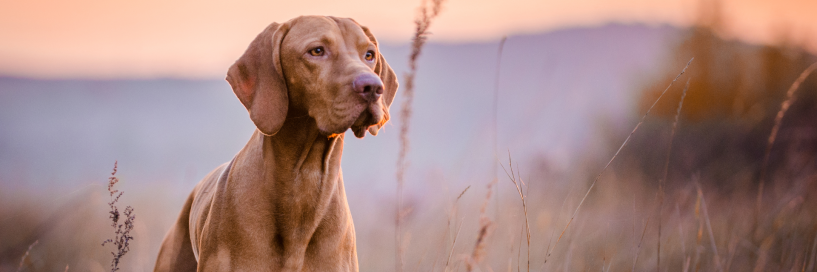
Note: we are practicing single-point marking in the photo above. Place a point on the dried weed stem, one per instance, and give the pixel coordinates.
(709, 227)
(122, 237)
(777, 121)
(485, 229)
(519, 189)
(453, 244)
(666, 170)
(451, 214)
(25, 256)
(495, 128)
(422, 23)
(638, 248)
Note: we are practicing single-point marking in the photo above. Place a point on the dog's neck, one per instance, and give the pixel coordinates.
(298, 139)
(297, 160)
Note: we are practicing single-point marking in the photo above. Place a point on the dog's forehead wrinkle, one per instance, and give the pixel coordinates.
(352, 32)
(310, 29)
(323, 40)
(310, 40)
(362, 41)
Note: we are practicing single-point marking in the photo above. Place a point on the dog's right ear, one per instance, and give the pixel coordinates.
(389, 79)
(258, 81)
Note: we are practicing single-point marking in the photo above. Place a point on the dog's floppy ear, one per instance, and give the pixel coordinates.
(389, 79)
(258, 81)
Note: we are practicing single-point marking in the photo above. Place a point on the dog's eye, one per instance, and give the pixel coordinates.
(317, 51)
(369, 55)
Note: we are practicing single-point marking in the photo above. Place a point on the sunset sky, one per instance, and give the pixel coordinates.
(199, 39)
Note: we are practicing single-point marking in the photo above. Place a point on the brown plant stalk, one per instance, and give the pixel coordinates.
(422, 24)
(453, 244)
(709, 227)
(519, 190)
(25, 256)
(485, 229)
(495, 129)
(122, 237)
(666, 170)
(452, 214)
(638, 249)
(777, 121)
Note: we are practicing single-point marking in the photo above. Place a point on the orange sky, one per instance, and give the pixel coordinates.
(200, 39)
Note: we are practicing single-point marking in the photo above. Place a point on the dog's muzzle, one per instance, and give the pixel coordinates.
(370, 88)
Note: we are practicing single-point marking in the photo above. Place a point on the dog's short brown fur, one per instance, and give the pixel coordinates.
(280, 204)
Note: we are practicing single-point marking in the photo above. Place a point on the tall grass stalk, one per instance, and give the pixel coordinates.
(616, 154)
(732, 248)
(519, 189)
(773, 135)
(638, 248)
(519, 249)
(495, 129)
(699, 234)
(453, 214)
(666, 170)
(422, 24)
(553, 232)
(683, 239)
(485, 229)
(453, 244)
(709, 226)
(25, 256)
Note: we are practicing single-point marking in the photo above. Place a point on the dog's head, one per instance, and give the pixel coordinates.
(325, 67)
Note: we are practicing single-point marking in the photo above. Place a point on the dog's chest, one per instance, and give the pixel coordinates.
(280, 212)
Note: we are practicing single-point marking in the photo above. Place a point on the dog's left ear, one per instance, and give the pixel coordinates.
(389, 79)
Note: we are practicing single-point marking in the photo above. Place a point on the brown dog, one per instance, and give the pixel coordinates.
(280, 205)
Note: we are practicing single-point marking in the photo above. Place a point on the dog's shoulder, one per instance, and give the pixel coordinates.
(202, 201)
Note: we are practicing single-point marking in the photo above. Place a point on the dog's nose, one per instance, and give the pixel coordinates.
(369, 86)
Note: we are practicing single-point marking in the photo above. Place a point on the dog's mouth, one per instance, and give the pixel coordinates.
(366, 120)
